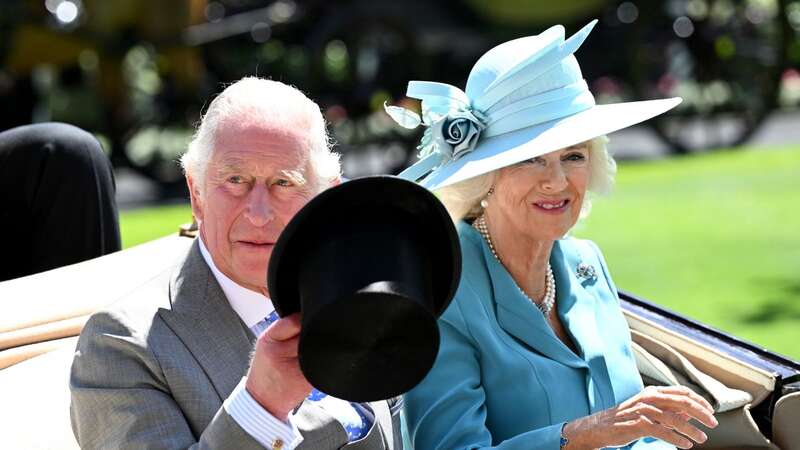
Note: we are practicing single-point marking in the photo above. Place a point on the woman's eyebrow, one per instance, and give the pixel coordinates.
(578, 146)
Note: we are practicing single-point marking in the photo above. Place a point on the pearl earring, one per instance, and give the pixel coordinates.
(485, 201)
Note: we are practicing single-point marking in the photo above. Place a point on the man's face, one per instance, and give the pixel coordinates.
(256, 181)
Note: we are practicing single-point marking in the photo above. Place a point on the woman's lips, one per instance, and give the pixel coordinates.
(551, 206)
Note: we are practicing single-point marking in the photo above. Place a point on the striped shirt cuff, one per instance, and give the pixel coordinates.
(270, 432)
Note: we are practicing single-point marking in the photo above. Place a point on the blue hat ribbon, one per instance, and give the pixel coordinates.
(540, 108)
(453, 128)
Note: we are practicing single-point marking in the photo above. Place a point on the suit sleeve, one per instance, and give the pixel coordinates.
(447, 410)
(121, 400)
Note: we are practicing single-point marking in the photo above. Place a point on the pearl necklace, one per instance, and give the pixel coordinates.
(549, 299)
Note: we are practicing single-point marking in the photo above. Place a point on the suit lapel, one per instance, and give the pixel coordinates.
(207, 325)
(577, 307)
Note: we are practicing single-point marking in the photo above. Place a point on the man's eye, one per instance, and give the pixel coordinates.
(236, 179)
(283, 182)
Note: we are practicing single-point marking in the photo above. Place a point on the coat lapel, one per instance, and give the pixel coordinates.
(207, 325)
(518, 316)
(577, 307)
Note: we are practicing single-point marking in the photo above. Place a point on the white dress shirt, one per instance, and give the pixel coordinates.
(253, 307)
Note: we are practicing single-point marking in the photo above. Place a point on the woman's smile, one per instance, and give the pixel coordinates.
(553, 207)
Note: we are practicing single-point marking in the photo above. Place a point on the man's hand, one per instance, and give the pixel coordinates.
(274, 379)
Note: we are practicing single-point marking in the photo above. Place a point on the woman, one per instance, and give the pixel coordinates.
(535, 352)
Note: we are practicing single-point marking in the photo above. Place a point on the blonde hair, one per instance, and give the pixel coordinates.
(463, 200)
(263, 101)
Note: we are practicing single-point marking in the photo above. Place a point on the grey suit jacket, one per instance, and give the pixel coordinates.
(153, 371)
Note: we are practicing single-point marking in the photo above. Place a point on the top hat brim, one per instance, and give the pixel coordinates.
(511, 148)
(340, 207)
(371, 264)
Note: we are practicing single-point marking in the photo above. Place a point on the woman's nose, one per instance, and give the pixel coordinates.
(555, 180)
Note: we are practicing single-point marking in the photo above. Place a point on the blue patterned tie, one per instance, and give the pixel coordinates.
(356, 425)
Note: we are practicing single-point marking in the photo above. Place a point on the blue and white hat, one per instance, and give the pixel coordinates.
(524, 98)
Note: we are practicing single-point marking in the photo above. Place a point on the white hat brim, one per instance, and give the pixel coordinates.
(507, 149)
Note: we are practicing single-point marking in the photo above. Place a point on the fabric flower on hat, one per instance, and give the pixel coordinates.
(452, 135)
(455, 134)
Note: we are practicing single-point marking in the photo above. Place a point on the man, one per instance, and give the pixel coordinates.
(170, 365)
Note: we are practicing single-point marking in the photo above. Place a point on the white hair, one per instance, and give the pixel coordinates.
(261, 101)
(462, 199)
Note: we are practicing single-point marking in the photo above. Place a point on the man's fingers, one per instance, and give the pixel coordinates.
(287, 349)
(285, 328)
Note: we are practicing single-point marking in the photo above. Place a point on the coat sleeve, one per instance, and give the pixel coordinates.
(447, 410)
(121, 400)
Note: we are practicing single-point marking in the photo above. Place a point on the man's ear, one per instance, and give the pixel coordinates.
(196, 198)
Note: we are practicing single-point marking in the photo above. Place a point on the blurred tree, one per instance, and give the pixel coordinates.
(139, 71)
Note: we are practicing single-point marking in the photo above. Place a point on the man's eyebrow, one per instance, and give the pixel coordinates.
(228, 168)
(233, 166)
(295, 175)
(230, 165)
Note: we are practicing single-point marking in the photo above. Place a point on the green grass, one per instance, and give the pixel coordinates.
(142, 225)
(715, 237)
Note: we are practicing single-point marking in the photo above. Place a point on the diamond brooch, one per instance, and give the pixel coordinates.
(586, 271)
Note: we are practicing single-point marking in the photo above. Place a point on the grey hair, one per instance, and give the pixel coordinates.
(463, 200)
(261, 101)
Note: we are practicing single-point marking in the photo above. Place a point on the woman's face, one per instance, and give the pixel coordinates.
(541, 198)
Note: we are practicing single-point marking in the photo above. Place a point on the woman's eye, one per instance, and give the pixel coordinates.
(575, 157)
(536, 160)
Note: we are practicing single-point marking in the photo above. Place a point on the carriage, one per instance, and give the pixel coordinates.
(756, 393)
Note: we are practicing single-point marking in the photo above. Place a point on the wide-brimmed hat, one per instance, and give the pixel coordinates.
(371, 264)
(523, 98)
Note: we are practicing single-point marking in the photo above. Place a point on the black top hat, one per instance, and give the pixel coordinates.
(371, 263)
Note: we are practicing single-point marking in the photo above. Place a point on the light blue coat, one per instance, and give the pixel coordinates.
(502, 378)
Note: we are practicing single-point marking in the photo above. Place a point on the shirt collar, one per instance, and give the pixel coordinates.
(251, 306)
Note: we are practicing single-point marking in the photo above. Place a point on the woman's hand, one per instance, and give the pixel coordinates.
(659, 412)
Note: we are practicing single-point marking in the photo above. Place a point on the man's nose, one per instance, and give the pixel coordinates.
(555, 180)
(259, 210)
